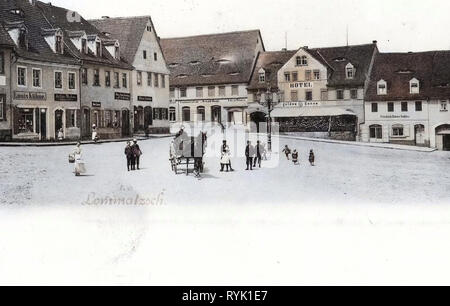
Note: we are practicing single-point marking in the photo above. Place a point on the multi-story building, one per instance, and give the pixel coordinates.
(104, 75)
(322, 91)
(44, 75)
(6, 47)
(140, 46)
(407, 101)
(210, 75)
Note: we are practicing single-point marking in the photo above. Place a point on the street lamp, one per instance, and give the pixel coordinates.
(269, 110)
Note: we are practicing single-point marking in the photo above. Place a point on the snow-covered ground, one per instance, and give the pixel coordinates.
(361, 215)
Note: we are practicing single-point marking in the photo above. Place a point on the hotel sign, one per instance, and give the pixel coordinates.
(26, 95)
(301, 85)
(122, 96)
(66, 98)
(301, 104)
(145, 99)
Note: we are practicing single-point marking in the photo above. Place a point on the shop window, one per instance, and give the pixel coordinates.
(58, 80)
(376, 132)
(25, 120)
(108, 119)
(398, 130)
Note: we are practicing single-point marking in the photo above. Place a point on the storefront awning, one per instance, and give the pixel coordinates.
(283, 112)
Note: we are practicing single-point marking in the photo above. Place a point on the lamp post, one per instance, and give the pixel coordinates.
(269, 110)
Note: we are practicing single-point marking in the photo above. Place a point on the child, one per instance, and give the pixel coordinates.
(287, 151)
(295, 157)
(311, 157)
(60, 135)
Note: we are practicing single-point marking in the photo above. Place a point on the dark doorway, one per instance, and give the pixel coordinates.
(446, 142)
(86, 123)
(148, 117)
(216, 114)
(186, 114)
(125, 122)
(58, 121)
(258, 118)
(43, 124)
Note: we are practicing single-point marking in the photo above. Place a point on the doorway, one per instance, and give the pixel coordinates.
(58, 121)
(125, 122)
(148, 117)
(419, 132)
(86, 122)
(43, 124)
(216, 114)
(446, 141)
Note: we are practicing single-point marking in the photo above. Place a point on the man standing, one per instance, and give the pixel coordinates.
(259, 149)
(136, 153)
(129, 154)
(249, 154)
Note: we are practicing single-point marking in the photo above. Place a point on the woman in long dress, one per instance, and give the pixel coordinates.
(79, 162)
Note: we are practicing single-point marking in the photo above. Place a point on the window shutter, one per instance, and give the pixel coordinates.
(38, 120)
(68, 111)
(16, 120)
(3, 99)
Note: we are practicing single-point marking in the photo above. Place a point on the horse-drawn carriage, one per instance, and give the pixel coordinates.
(186, 153)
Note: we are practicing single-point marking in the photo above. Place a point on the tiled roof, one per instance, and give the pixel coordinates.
(432, 69)
(5, 39)
(337, 58)
(58, 18)
(212, 59)
(34, 22)
(271, 62)
(128, 31)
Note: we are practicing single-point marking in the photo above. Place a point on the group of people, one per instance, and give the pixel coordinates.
(133, 154)
(294, 154)
(253, 154)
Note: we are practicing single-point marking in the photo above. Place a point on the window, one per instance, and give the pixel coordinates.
(302, 61)
(444, 106)
(2, 63)
(287, 77)
(308, 95)
(25, 120)
(340, 94)
(414, 86)
(211, 91)
(149, 79)
(37, 78)
(172, 114)
(374, 107)
(354, 94)
(316, 74)
(163, 81)
(96, 77)
(390, 106)
(21, 76)
(155, 56)
(262, 77)
(58, 80)
(144, 54)
(397, 130)
(418, 106)
(298, 60)
(294, 96)
(116, 80)
(72, 80)
(107, 78)
(84, 76)
(234, 90)
(199, 92)
(201, 113)
(23, 39)
(84, 46)
(124, 80)
(404, 106)
(294, 76)
(324, 95)
(149, 28)
(186, 113)
(172, 92)
(156, 80)
(221, 91)
(71, 118)
(2, 106)
(349, 71)
(183, 92)
(117, 53)
(59, 44)
(308, 75)
(381, 87)
(98, 49)
(376, 132)
(139, 78)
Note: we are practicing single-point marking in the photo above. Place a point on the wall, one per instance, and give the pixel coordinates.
(5, 123)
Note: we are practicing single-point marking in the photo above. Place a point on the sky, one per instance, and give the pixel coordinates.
(398, 26)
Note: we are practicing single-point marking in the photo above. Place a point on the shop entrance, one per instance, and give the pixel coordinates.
(58, 121)
(419, 131)
(125, 122)
(446, 142)
(43, 124)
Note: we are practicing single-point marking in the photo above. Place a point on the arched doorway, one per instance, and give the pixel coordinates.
(258, 119)
(201, 114)
(443, 137)
(216, 114)
(419, 134)
(59, 113)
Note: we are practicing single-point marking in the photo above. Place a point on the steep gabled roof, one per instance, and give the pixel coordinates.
(271, 62)
(5, 39)
(58, 18)
(212, 59)
(337, 58)
(397, 69)
(128, 31)
(33, 20)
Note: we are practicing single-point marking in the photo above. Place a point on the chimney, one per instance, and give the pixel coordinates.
(305, 47)
(105, 17)
(284, 49)
(374, 42)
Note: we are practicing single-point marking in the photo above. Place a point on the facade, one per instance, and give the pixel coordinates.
(322, 91)
(43, 90)
(104, 78)
(407, 101)
(150, 80)
(6, 47)
(210, 75)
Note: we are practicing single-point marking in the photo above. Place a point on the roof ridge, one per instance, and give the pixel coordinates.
(349, 46)
(123, 17)
(212, 34)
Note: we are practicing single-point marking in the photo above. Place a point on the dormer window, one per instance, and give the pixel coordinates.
(22, 42)
(301, 60)
(98, 48)
(84, 48)
(262, 75)
(17, 12)
(414, 87)
(382, 87)
(117, 52)
(59, 43)
(349, 71)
